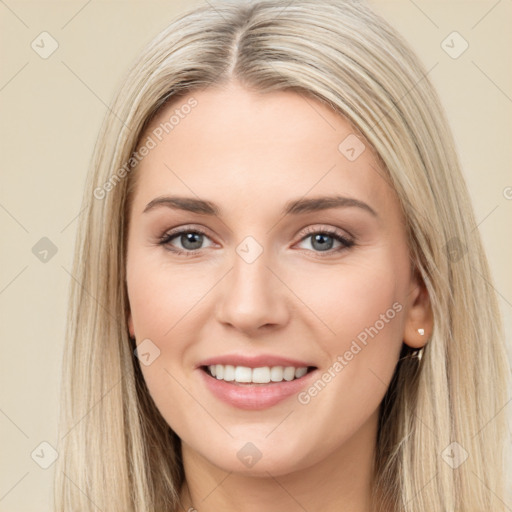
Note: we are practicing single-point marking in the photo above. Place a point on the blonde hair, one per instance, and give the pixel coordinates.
(117, 453)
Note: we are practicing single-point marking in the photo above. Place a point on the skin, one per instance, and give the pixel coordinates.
(251, 153)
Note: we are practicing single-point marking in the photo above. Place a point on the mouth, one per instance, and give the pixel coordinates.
(260, 376)
(255, 381)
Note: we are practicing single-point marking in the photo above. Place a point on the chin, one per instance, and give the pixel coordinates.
(259, 458)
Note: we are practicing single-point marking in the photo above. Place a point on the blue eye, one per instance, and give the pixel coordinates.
(323, 240)
(191, 241)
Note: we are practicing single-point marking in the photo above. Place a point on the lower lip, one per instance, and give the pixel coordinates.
(256, 396)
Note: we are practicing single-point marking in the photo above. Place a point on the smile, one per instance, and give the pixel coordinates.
(261, 375)
(255, 388)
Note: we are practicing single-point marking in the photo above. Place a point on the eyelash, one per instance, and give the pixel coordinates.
(347, 243)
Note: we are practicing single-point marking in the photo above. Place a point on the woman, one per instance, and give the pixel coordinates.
(281, 297)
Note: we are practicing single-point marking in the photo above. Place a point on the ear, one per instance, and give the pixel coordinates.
(419, 320)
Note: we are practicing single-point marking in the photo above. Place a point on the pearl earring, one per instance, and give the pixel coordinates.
(421, 332)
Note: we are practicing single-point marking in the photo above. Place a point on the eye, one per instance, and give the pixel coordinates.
(191, 240)
(323, 240)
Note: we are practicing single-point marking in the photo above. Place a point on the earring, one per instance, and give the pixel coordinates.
(421, 332)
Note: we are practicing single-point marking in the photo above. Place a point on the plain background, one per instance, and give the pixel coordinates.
(51, 110)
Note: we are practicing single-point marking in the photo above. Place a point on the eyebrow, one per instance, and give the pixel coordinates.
(295, 207)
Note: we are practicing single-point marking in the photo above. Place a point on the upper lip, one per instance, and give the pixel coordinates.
(255, 361)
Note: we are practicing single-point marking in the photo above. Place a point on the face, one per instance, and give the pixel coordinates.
(251, 276)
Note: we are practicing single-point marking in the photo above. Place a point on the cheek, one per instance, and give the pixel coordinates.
(362, 312)
(351, 299)
(363, 307)
(165, 302)
(161, 296)
(369, 303)
(159, 308)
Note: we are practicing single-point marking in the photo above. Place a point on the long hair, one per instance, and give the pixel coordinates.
(441, 435)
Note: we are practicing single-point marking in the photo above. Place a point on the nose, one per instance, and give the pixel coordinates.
(252, 297)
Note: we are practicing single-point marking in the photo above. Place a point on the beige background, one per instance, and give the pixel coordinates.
(51, 110)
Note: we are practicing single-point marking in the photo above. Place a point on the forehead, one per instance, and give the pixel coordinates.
(236, 145)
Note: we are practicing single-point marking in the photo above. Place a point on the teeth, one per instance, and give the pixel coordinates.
(276, 373)
(289, 373)
(300, 372)
(263, 375)
(229, 373)
(242, 374)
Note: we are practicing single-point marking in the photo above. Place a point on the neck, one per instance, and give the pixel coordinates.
(340, 482)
